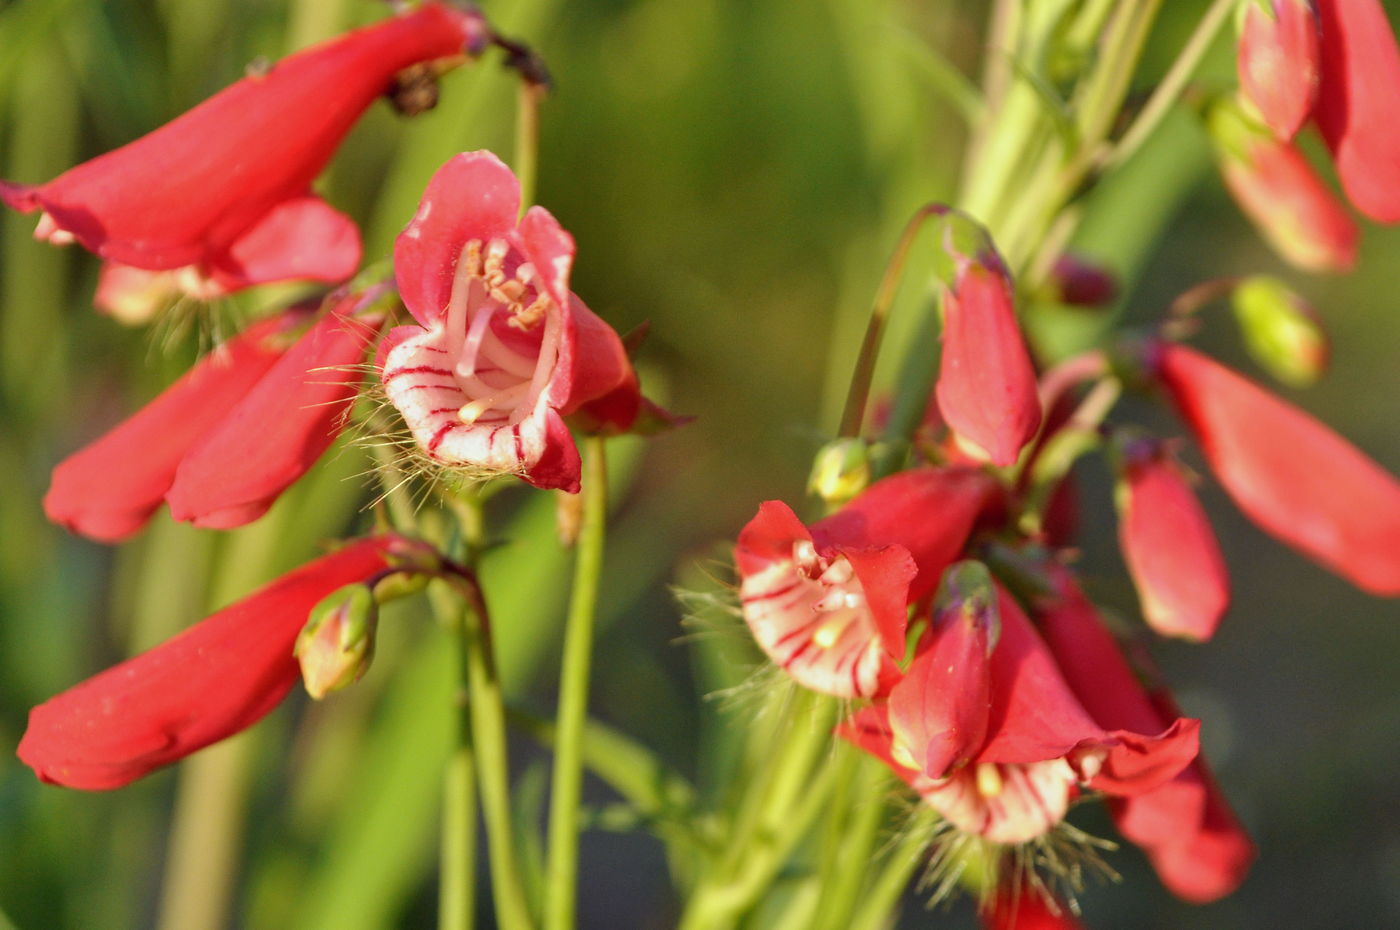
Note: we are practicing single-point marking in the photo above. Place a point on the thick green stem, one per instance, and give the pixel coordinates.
(841, 884)
(457, 888)
(561, 869)
(903, 861)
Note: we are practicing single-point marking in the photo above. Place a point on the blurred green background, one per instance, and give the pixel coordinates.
(735, 172)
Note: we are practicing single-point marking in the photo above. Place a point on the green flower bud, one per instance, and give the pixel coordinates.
(337, 643)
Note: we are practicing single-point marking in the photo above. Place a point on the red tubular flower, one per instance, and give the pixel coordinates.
(1278, 63)
(1169, 546)
(986, 387)
(223, 441)
(1290, 206)
(218, 677)
(829, 604)
(1041, 744)
(1290, 474)
(503, 350)
(1184, 825)
(1358, 109)
(241, 465)
(225, 188)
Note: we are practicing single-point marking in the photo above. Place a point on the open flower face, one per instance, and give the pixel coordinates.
(503, 351)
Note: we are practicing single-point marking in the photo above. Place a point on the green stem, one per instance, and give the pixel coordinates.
(859, 393)
(561, 869)
(527, 139)
(457, 888)
(841, 885)
(1173, 83)
(483, 734)
(903, 861)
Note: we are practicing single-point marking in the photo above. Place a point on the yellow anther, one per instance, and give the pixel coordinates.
(989, 783)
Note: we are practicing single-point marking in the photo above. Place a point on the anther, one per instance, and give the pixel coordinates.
(531, 315)
(989, 782)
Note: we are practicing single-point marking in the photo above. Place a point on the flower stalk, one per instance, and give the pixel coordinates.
(561, 868)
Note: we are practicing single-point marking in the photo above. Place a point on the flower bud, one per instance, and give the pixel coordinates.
(1168, 543)
(986, 387)
(337, 643)
(1281, 330)
(1278, 63)
(1290, 206)
(840, 471)
(1076, 281)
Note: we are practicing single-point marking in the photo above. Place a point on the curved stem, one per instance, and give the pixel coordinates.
(561, 869)
(858, 395)
(1173, 83)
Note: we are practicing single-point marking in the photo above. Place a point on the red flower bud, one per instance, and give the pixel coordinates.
(225, 188)
(1026, 907)
(1358, 107)
(1169, 546)
(986, 387)
(1278, 63)
(218, 677)
(1290, 474)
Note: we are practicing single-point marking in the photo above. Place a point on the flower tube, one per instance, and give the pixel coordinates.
(502, 350)
(220, 676)
(1290, 474)
(224, 190)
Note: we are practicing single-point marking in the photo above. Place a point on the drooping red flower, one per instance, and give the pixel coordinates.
(828, 603)
(1358, 108)
(227, 438)
(1169, 546)
(1291, 207)
(218, 677)
(1278, 63)
(1184, 824)
(503, 351)
(986, 387)
(224, 190)
(1041, 743)
(1290, 474)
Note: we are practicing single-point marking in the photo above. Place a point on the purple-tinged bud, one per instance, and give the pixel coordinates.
(1081, 283)
(337, 643)
(1281, 330)
(1278, 63)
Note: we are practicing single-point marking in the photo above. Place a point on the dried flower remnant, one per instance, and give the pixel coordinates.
(502, 351)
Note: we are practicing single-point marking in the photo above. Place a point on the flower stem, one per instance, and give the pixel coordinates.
(883, 897)
(561, 869)
(859, 393)
(527, 139)
(457, 887)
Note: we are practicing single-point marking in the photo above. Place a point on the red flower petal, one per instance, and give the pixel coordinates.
(302, 239)
(109, 489)
(249, 456)
(1278, 63)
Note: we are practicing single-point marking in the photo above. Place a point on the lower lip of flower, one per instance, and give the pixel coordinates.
(1005, 803)
(809, 614)
(467, 372)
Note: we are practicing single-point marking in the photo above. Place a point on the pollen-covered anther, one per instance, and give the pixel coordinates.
(989, 780)
(804, 556)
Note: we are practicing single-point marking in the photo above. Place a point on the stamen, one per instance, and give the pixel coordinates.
(900, 753)
(828, 634)
(527, 318)
(840, 572)
(544, 368)
(509, 292)
(506, 358)
(473, 411)
(466, 363)
(834, 599)
(989, 783)
(456, 321)
(494, 270)
(804, 553)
